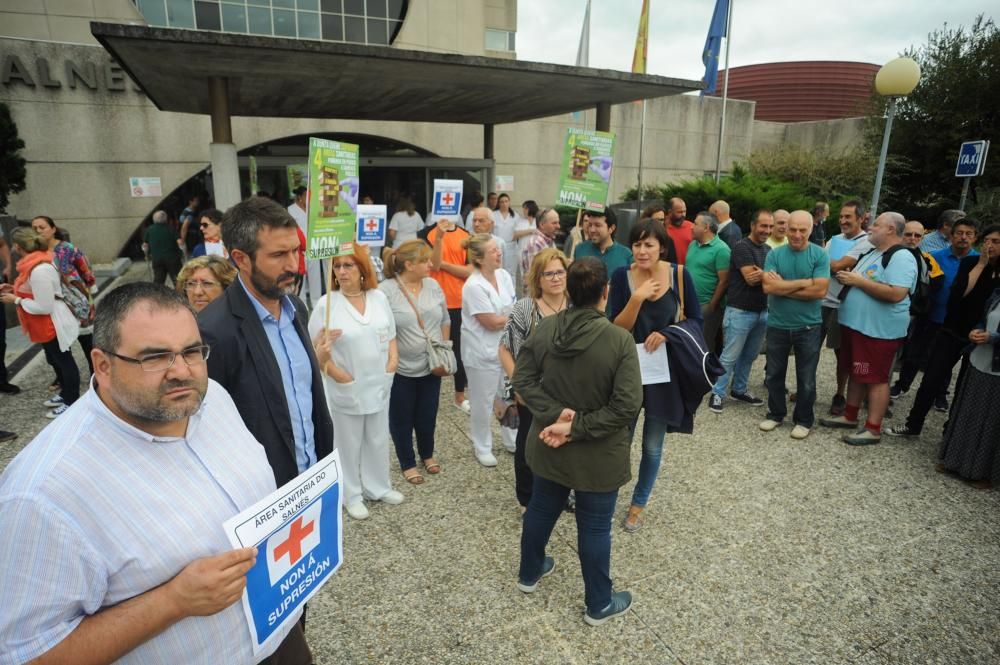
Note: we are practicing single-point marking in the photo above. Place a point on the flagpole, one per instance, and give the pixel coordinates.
(642, 140)
(725, 93)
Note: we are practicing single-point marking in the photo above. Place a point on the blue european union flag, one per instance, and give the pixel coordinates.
(713, 45)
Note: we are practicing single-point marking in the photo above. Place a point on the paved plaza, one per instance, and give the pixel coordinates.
(756, 549)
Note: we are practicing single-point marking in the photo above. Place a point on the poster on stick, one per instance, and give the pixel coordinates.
(447, 200)
(333, 198)
(588, 158)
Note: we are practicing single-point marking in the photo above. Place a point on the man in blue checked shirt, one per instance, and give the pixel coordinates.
(113, 546)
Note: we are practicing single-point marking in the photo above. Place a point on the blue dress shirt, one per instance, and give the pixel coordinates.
(949, 266)
(296, 375)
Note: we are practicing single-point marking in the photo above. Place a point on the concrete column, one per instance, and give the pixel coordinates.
(603, 117)
(491, 171)
(225, 168)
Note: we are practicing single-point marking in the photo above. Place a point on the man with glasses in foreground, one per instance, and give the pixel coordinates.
(115, 550)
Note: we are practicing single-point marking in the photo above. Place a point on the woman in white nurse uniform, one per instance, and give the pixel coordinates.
(487, 297)
(358, 357)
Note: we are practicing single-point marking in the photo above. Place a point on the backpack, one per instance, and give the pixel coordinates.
(77, 298)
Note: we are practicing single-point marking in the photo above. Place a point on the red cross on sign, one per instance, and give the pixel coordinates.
(447, 198)
(371, 225)
(293, 546)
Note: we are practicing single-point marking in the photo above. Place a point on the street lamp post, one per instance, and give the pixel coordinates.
(897, 78)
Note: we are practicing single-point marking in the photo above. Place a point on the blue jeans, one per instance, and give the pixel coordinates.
(742, 333)
(594, 512)
(806, 343)
(413, 407)
(653, 431)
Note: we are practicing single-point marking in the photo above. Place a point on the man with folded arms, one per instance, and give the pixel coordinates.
(795, 281)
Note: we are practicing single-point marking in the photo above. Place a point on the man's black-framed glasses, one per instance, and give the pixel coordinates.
(161, 362)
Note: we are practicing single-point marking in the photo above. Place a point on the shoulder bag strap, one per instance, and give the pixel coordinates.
(420, 321)
(679, 286)
(533, 314)
(402, 289)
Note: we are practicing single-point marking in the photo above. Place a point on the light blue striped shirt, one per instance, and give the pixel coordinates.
(296, 375)
(95, 511)
(934, 241)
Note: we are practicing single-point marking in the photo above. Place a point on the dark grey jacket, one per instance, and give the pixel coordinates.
(579, 360)
(243, 363)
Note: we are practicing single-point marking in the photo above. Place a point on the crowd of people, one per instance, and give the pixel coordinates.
(285, 361)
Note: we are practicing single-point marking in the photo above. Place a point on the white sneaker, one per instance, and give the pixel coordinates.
(56, 412)
(54, 402)
(487, 460)
(769, 425)
(392, 497)
(358, 510)
(800, 432)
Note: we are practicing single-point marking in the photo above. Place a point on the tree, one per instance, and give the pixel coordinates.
(12, 171)
(955, 101)
(824, 174)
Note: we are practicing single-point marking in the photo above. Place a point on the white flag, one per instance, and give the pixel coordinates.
(583, 51)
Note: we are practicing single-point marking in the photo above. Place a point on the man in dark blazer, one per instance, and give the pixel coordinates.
(261, 351)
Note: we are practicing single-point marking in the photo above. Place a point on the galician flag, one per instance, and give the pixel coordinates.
(641, 41)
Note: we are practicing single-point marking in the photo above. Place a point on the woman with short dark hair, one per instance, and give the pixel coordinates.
(645, 300)
(579, 376)
(211, 233)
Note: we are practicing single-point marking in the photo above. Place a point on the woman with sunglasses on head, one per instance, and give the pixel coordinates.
(355, 341)
(546, 285)
(204, 279)
(211, 231)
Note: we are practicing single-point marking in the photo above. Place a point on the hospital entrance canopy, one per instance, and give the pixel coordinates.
(292, 78)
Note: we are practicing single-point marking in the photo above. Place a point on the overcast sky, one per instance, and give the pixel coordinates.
(873, 31)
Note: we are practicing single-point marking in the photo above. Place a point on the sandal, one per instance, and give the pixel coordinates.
(633, 520)
(432, 466)
(413, 476)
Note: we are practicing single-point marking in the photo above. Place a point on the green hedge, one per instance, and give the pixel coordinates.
(745, 194)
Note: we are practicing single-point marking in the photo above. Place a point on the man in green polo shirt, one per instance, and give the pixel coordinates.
(599, 225)
(796, 276)
(162, 245)
(708, 264)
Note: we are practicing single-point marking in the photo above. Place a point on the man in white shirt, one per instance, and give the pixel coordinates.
(313, 282)
(844, 250)
(124, 497)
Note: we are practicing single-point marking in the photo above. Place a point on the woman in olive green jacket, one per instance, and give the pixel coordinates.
(579, 375)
